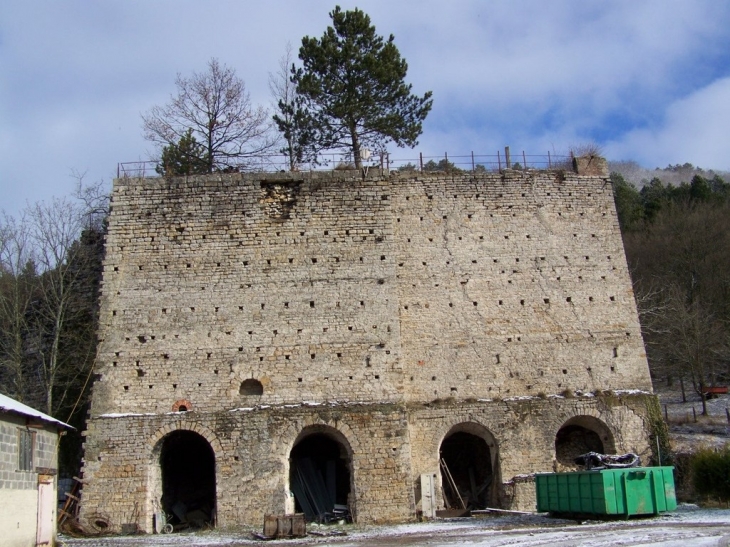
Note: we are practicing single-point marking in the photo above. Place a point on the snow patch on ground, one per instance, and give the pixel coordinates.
(689, 526)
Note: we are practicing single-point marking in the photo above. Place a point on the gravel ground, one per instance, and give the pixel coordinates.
(686, 527)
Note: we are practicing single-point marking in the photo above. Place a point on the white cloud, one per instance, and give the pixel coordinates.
(695, 130)
(535, 75)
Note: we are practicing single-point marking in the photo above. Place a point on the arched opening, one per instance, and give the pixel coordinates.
(579, 435)
(187, 466)
(466, 458)
(251, 387)
(320, 476)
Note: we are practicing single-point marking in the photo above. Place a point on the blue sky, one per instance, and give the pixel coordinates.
(646, 80)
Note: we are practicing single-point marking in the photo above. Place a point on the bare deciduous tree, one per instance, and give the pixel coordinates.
(55, 227)
(50, 261)
(291, 120)
(17, 276)
(283, 94)
(679, 267)
(93, 199)
(217, 108)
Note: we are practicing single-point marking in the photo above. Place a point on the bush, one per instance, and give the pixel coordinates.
(711, 473)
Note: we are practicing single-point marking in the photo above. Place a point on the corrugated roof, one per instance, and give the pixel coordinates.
(11, 405)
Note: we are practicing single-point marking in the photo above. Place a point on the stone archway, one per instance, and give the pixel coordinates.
(581, 434)
(186, 478)
(320, 475)
(468, 464)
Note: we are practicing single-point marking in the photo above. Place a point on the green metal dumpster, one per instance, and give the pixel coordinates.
(619, 492)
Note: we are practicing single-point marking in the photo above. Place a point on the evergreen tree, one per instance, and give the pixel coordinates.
(352, 88)
(654, 196)
(295, 126)
(443, 165)
(700, 189)
(629, 207)
(187, 157)
(720, 188)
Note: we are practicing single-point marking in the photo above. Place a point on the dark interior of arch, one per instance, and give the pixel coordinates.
(466, 468)
(251, 387)
(319, 477)
(187, 463)
(574, 440)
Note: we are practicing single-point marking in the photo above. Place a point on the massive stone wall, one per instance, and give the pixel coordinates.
(211, 281)
(386, 312)
(513, 285)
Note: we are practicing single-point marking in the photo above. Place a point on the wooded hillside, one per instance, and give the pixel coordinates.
(677, 239)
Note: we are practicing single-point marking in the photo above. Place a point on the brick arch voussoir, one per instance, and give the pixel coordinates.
(447, 425)
(342, 431)
(576, 412)
(582, 412)
(185, 425)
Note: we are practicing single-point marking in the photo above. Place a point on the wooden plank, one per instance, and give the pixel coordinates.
(452, 483)
(270, 525)
(298, 525)
(452, 513)
(509, 511)
(284, 526)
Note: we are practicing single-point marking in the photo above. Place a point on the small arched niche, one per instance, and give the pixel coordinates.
(579, 435)
(182, 405)
(251, 388)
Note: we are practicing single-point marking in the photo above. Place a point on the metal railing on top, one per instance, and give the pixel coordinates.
(481, 162)
(333, 161)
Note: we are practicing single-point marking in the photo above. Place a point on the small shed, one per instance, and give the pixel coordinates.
(28, 474)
